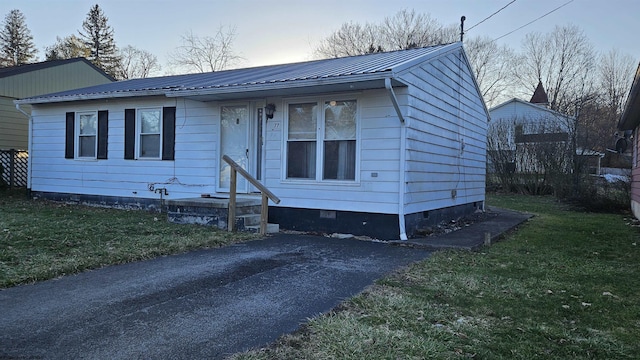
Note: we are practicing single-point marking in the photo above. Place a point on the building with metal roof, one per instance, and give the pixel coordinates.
(379, 144)
(36, 79)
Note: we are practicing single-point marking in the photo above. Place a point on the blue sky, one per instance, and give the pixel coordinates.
(280, 31)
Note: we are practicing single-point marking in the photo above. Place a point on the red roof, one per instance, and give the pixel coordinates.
(539, 96)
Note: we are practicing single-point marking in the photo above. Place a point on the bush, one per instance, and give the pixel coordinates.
(596, 194)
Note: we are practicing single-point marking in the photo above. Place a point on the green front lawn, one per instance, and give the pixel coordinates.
(41, 240)
(566, 285)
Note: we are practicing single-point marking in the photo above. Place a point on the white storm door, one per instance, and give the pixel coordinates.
(234, 142)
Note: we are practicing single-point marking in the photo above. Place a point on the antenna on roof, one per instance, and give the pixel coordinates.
(462, 19)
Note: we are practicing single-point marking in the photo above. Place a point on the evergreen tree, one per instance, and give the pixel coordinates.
(16, 42)
(97, 35)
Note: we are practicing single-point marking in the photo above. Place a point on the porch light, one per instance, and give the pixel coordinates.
(269, 110)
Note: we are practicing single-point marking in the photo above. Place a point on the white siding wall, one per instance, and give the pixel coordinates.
(446, 136)
(533, 118)
(530, 114)
(436, 163)
(195, 168)
(193, 172)
(379, 146)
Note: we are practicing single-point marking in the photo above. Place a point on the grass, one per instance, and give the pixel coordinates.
(565, 285)
(41, 240)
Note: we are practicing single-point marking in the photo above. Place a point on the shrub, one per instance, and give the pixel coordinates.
(597, 194)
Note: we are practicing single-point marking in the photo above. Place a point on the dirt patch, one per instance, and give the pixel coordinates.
(446, 227)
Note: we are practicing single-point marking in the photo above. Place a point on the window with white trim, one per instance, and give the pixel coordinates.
(149, 123)
(87, 138)
(325, 130)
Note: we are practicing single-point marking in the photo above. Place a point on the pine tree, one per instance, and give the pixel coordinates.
(16, 42)
(97, 35)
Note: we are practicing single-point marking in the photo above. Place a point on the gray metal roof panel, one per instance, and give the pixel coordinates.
(348, 67)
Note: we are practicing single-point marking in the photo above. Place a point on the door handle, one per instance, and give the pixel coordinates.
(246, 153)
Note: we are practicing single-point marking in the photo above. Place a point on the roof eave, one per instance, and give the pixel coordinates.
(631, 116)
(349, 82)
(96, 96)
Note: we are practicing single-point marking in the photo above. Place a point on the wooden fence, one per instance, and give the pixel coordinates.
(14, 168)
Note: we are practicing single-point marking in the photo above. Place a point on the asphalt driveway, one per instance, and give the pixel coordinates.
(203, 304)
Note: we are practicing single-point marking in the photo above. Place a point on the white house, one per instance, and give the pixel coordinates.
(518, 128)
(379, 144)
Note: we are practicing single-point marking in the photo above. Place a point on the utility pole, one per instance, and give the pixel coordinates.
(462, 19)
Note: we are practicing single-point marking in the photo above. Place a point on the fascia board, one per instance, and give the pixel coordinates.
(84, 97)
(278, 85)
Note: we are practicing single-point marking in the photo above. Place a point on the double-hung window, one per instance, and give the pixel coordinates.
(302, 139)
(324, 130)
(150, 135)
(87, 130)
(86, 135)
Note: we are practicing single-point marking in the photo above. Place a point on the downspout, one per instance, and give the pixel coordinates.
(403, 148)
(29, 144)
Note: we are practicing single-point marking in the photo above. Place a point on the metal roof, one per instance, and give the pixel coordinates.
(25, 68)
(347, 73)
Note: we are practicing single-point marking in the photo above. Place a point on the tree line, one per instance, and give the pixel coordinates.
(94, 41)
(580, 81)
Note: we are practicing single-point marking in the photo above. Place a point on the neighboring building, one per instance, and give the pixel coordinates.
(519, 129)
(629, 122)
(376, 145)
(29, 80)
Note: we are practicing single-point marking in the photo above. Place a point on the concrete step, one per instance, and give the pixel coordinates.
(271, 228)
(249, 219)
(214, 212)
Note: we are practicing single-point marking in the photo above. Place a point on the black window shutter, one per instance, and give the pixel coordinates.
(69, 136)
(103, 133)
(168, 132)
(129, 134)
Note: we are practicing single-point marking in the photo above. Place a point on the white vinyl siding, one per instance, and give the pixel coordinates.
(194, 171)
(446, 136)
(445, 147)
(377, 159)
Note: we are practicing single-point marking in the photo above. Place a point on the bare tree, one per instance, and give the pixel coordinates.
(529, 156)
(351, 39)
(137, 63)
(405, 30)
(492, 66)
(615, 75)
(564, 60)
(67, 48)
(199, 54)
(408, 29)
(501, 154)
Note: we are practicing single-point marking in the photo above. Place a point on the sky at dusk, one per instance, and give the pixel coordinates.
(282, 31)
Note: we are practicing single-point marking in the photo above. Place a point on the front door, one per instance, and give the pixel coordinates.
(234, 142)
